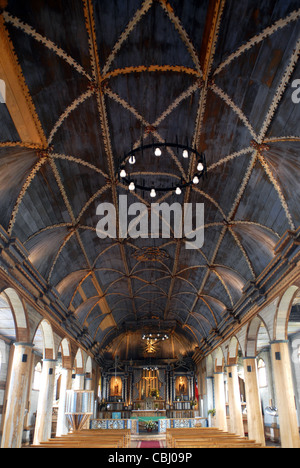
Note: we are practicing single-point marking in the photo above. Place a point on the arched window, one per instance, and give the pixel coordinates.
(262, 374)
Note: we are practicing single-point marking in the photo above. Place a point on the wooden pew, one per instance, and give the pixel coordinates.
(115, 438)
(207, 438)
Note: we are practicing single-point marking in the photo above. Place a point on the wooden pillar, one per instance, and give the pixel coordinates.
(221, 421)
(79, 382)
(66, 384)
(209, 398)
(104, 390)
(44, 410)
(254, 413)
(285, 397)
(17, 396)
(234, 396)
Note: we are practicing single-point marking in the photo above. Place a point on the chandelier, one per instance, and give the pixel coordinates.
(150, 368)
(155, 337)
(152, 339)
(137, 154)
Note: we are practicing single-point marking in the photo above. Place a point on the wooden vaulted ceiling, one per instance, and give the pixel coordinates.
(85, 81)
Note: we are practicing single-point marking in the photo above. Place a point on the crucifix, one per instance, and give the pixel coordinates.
(149, 379)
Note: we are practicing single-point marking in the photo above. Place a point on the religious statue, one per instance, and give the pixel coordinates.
(181, 385)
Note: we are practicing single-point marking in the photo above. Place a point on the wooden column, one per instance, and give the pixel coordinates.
(235, 413)
(285, 397)
(88, 384)
(254, 413)
(17, 395)
(79, 382)
(221, 421)
(66, 384)
(44, 410)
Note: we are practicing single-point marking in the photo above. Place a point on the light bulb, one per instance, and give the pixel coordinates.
(178, 191)
(185, 154)
(131, 186)
(196, 180)
(132, 159)
(123, 173)
(200, 167)
(157, 152)
(153, 193)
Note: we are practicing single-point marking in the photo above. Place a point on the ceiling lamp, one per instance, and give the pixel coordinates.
(155, 337)
(150, 368)
(200, 166)
(136, 155)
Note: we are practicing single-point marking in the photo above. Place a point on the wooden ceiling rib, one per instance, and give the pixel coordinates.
(215, 72)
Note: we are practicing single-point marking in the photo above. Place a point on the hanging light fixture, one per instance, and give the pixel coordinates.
(137, 153)
(155, 337)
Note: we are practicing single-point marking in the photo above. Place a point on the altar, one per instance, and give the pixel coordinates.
(159, 414)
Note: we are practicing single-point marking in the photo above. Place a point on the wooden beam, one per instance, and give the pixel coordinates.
(214, 14)
(18, 99)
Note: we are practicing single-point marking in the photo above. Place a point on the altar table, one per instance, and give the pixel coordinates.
(133, 423)
(148, 413)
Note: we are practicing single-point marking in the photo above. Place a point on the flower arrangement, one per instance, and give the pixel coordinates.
(150, 425)
(154, 393)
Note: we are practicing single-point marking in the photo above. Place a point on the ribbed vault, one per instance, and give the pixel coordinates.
(102, 75)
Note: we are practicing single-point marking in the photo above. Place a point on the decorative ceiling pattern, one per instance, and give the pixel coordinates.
(101, 76)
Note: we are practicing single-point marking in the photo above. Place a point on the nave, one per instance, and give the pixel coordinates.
(149, 222)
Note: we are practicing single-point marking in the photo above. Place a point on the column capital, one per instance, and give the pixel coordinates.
(278, 341)
(21, 343)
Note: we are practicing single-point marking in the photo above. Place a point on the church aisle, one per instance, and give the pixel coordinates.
(148, 441)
